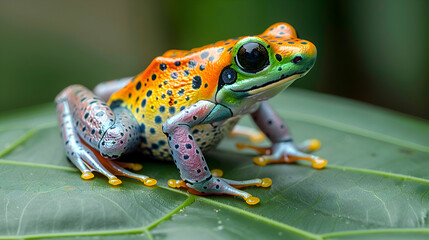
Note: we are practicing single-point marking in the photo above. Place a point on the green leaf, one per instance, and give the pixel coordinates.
(375, 185)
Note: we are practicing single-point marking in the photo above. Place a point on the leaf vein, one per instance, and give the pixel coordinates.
(375, 231)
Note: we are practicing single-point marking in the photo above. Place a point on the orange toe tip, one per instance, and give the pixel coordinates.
(137, 167)
(217, 172)
(115, 181)
(173, 183)
(87, 175)
(256, 138)
(319, 163)
(266, 182)
(150, 182)
(260, 161)
(314, 145)
(252, 200)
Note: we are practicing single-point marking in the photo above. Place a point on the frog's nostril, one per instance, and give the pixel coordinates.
(297, 59)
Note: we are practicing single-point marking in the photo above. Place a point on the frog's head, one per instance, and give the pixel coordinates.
(264, 65)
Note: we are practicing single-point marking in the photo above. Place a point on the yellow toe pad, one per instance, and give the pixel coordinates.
(136, 166)
(266, 182)
(252, 200)
(260, 161)
(217, 173)
(314, 145)
(87, 175)
(149, 182)
(176, 183)
(115, 181)
(319, 163)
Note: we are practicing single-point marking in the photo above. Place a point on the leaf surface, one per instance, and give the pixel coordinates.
(375, 185)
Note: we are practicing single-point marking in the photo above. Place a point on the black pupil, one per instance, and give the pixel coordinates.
(252, 57)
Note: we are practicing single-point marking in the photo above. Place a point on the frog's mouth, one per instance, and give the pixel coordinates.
(271, 84)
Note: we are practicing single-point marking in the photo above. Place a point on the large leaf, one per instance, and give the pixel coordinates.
(375, 186)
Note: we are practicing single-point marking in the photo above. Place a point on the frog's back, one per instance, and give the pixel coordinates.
(171, 83)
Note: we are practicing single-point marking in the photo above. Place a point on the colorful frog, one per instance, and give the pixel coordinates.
(183, 104)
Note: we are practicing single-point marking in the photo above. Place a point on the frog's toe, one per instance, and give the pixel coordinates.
(114, 181)
(260, 150)
(317, 162)
(216, 186)
(309, 145)
(87, 175)
(271, 159)
(150, 182)
(287, 153)
(217, 173)
(131, 166)
(252, 200)
(253, 135)
(264, 182)
(120, 171)
(173, 183)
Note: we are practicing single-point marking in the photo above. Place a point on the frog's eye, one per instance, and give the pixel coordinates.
(252, 57)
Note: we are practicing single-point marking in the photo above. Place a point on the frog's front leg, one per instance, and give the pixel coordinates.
(189, 159)
(94, 134)
(283, 149)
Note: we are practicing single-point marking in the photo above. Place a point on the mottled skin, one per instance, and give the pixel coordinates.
(183, 104)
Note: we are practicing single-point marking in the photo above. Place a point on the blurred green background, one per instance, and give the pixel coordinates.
(370, 50)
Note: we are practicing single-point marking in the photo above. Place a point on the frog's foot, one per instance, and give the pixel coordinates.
(286, 152)
(217, 186)
(88, 161)
(117, 169)
(253, 135)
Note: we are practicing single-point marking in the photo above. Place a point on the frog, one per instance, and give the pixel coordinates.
(183, 104)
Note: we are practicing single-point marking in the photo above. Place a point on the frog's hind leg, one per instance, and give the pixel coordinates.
(94, 134)
(79, 154)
